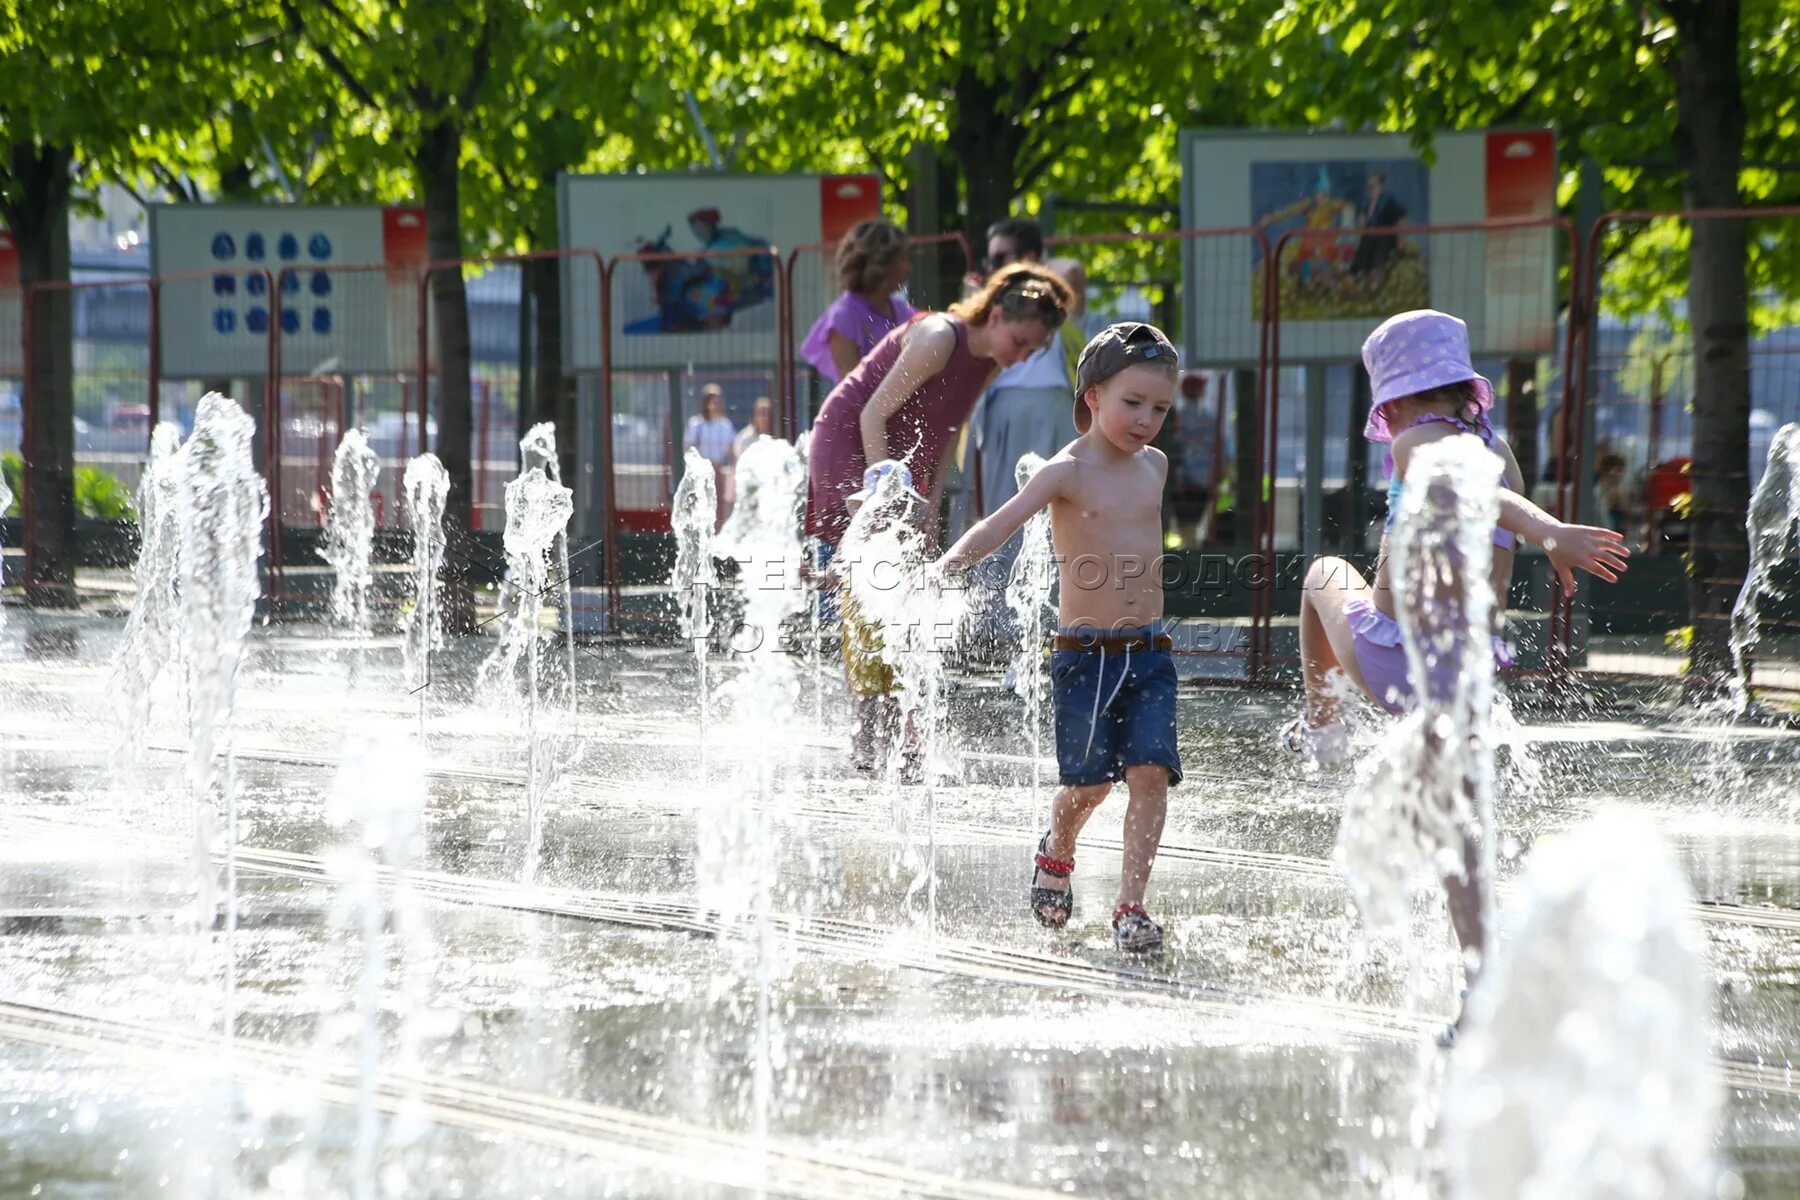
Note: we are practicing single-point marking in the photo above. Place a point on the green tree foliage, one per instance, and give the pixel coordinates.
(86, 85)
(1071, 96)
(589, 89)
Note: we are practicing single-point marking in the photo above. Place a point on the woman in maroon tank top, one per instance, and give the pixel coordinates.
(909, 397)
(905, 402)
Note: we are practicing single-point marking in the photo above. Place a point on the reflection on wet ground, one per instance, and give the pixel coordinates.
(1273, 1051)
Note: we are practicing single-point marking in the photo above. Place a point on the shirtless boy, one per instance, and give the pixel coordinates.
(1112, 673)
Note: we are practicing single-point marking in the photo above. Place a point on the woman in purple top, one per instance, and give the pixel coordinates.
(872, 266)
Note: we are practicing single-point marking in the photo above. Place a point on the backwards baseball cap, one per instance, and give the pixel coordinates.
(1127, 344)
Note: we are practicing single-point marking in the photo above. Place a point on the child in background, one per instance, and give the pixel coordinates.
(1112, 673)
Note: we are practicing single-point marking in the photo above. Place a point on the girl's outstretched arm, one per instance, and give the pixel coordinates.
(990, 533)
(1599, 552)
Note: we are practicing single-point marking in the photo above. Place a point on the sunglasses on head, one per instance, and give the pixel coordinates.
(1033, 298)
(1005, 258)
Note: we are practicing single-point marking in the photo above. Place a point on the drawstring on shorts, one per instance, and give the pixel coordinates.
(1094, 717)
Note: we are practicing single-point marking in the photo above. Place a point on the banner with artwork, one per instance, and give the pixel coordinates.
(1361, 227)
(712, 301)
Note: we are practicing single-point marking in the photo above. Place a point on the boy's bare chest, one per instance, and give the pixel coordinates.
(1110, 512)
(1125, 498)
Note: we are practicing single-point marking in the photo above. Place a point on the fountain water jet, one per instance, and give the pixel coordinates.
(1426, 808)
(692, 516)
(1028, 596)
(427, 491)
(150, 641)
(1586, 1066)
(1773, 517)
(349, 543)
(737, 851)
(222, 506)
(884, 565)
(536, 510)
(538, 449)
(377, 799)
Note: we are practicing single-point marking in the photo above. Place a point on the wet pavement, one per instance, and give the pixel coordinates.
(597, 1033)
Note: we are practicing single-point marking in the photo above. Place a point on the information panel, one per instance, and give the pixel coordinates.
(347, 281)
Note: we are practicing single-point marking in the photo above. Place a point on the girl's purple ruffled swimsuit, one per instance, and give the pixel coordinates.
(1409, 354)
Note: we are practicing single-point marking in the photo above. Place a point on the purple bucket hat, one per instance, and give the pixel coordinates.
(1415, 352)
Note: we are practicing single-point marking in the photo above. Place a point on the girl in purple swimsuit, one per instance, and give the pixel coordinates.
(1423, 389)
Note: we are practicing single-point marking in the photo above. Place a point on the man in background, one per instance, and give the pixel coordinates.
(1375, 251)
(1026, 410)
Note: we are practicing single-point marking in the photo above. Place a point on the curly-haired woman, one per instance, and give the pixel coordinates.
(872, 265)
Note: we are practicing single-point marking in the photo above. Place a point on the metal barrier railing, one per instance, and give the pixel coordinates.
(1596, 362)
(154, 287)
(683, 295)
(1626, 350)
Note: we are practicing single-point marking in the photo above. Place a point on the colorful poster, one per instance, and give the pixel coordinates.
(1337, 232)
(722, 278)
(1358, 227)
(697, 262)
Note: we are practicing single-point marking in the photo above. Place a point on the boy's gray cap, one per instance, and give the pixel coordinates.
(1114, 348)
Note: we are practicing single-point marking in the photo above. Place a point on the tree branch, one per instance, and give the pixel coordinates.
(297, 25)
(1061, 94)
(481, 63)
(1029, 174)
(171, 183)
(821, 42)
(133, 193)
(356, 30)
(1028, 80)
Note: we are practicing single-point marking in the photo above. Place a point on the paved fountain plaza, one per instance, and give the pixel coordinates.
(293, 912)
(595, 1033)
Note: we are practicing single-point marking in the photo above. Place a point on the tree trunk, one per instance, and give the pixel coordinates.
(985, 143)
(40, 226)
(1709, 138)
(554, 397)
(440, 149)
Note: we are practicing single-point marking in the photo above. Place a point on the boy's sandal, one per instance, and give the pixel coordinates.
(1133, 930)
(1051, 906)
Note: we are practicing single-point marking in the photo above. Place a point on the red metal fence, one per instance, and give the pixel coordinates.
(1634, 381)
(641, 340)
